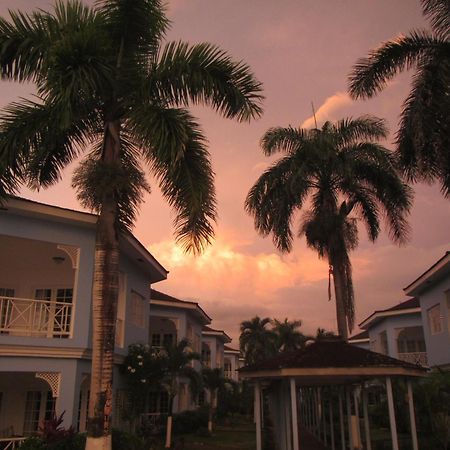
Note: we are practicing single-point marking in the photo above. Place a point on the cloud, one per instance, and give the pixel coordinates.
(328, 110)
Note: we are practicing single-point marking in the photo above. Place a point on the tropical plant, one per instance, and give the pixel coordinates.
(176, 362)
(213, 380)
(341, 174)
(287, 336)
(423, 138)
(322, 333)
(106, 84)
(256, 341)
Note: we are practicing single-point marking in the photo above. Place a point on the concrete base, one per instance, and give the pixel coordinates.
(100, 443)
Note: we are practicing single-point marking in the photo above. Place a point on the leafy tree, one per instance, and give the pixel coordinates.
(287, 335)
(423, 138)
(143, 372)
(108, 86)
(256, 341)
(322, 333)
(341, 174)
(213, 380)
(176, 363)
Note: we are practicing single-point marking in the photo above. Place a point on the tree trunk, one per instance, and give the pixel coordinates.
(210, 412)
(104, 306)
(169, 423)
(339, 283)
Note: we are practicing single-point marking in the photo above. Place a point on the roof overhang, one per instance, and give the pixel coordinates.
(218, 334)
(331, 375)
(359, 341)
(436, 272)
(378, 316)
(191, 307)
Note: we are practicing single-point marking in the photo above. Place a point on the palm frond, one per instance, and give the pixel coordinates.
(204, 74)
(349, 131)
(371, 74)
(176, 149)
(288, 140)
(24, 40)
(36, 145)
(135, 28)
(273, 200)
(423, 138)
(438, 11)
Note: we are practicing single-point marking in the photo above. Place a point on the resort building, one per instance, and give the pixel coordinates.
(213, 342)
(231, 363)
(46, 277)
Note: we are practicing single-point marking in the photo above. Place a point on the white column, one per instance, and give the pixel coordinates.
(357, 437)
(330, 411)
(286, 410)
(366, 420)
(412, 417)
(324, 418)
(341, 420)
(392, 422)
(294, 415)
(351, 440)
(258, 415)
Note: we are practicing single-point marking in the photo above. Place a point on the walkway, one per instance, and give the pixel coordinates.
(309, 441)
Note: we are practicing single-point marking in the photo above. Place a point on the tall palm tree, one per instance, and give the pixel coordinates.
(339, 174)
(176, 363)
(256, 341)
(423, 138)
(213, 380)
(106, 84)
(287, 335)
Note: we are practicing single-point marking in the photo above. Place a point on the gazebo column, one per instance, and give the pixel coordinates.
(357, 436)
(286, 411)
(392, 421)
(341, 419)
(412, 417)
(349, 417)
(366, 420)
(258, 415)
(330, 412)
(294, 415)
(324, 417)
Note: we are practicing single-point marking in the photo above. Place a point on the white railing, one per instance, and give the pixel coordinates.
(11, 443)
(38, 318)
(414, 358)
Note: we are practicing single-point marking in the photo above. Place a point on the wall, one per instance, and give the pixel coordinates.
(438, 345)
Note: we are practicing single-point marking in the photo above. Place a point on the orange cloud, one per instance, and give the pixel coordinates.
(327, 111)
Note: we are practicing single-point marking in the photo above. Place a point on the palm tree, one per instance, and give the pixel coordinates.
(423, 138)
(176, 363)
(288, 337)
(213, 380)
(322, 333)
(341, 174)
(105, 83)
(256, 341)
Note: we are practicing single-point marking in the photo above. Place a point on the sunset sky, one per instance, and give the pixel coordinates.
(302, 52)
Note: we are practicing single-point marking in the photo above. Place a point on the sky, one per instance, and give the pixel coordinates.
(302, 51)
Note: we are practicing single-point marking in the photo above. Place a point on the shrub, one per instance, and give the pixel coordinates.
(190, 421)
(122, 440)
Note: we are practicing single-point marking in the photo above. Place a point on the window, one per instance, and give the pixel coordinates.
(168, 339)
(156, 340)
(384, 343)
(32, 412)
(138, 310)
(435, 319)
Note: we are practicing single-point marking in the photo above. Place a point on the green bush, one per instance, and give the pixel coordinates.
(122, 440)
(190, 421)
(75, 442)
(33, 443)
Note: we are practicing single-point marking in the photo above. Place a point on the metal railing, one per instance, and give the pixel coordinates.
(38, 318)
(11, 443)
(414, 358)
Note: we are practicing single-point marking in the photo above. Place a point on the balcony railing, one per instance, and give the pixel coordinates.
(11, 443)
(414, 358)
(37, 318)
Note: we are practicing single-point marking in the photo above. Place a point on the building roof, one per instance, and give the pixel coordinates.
(208, 331)
(129, 244)
(228, 349)
(330, 361)
(360, 337)
(162, 299)
(410, 306)
(436, 272)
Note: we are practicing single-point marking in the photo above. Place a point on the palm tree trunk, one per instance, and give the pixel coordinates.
(169, 423)
(339, 283)
(104, 306)
(210, 412)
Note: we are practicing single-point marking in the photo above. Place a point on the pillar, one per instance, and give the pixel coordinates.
(366, 420)
(258, 415)
(294, 415)
(392, 421)
(412, 417)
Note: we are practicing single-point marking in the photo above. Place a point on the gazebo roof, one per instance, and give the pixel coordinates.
(330, 361)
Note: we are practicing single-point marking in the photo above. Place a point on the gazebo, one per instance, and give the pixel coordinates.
(323, 383)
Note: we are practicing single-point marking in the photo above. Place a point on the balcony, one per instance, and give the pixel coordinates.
(419, 358)
(36, 318)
